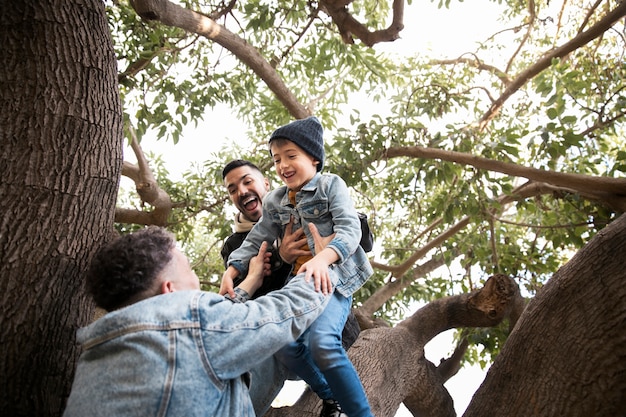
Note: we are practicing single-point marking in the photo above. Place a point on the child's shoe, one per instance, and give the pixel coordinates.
(331, 408)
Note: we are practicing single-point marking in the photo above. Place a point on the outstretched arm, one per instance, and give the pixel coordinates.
(258, 269)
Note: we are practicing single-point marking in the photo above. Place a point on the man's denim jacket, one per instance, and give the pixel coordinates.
(185, 353)
(324, 201)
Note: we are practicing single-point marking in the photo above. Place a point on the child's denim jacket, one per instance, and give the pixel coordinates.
(324, 201)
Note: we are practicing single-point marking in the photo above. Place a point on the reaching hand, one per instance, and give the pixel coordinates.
(292, 243)
(261, 265)
(258, 268)
(318, 269)
(227, 285)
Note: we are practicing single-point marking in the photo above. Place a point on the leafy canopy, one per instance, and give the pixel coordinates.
(568, 118)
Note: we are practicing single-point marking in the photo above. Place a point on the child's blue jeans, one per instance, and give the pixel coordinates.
(320, 360)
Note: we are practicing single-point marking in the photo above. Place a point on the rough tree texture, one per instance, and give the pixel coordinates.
(391, 361)
(567, 354)
(60, 156)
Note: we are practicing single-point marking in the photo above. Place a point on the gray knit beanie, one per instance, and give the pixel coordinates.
(307, 134)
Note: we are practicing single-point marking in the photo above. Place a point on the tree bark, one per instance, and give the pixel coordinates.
(60, 155)
(567, 354)
(391, 361)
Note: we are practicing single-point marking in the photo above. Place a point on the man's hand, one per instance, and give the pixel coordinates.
(319, 241)
(227, 285)
(258, 269)
(292, 243)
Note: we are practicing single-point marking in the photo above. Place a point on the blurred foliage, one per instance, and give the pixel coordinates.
(569, 118)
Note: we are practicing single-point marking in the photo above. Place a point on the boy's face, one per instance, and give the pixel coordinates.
(294, 166)
(246, 188)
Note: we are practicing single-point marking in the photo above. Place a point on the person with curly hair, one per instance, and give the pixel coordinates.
(167, 348)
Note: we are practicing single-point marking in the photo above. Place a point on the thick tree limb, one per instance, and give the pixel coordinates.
(148, 190)
(481, 308)
(415, 380)
(565, 356)
(171, 14)
(608, 189)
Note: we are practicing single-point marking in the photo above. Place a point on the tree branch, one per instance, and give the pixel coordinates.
(615, 187)
(348, 25)
(478, 64)
(384, 293)
(486, 307)
(171, 14)
(365, 312)
(148, 190)
(583, 38)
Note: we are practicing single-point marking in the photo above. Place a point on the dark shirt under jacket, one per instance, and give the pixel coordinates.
(280, 269)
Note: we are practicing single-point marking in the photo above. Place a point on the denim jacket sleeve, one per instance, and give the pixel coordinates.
(263, 230)
(346, 222)
(326, 202)
(238, 336)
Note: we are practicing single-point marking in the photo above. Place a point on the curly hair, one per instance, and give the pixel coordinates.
(128, 266)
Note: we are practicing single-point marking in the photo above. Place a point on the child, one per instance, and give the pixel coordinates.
(341, 267)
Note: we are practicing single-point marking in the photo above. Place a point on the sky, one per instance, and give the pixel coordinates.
(428, 30)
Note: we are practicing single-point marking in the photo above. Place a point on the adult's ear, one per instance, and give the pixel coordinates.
(167, 287)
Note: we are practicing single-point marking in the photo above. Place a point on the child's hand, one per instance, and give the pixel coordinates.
(318, 269)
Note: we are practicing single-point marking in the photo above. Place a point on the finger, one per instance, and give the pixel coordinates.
(289, 226)
(329, 285)
(317, 239)
(228, 289)
(314, 232)
(325, 288)
(318, 284)
(224, 286)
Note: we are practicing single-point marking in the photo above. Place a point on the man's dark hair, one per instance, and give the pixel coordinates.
(238, 163)
(128, 266)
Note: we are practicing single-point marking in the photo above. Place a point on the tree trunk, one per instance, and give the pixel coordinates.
(60, 155)
(391, 361)
(567, 354)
